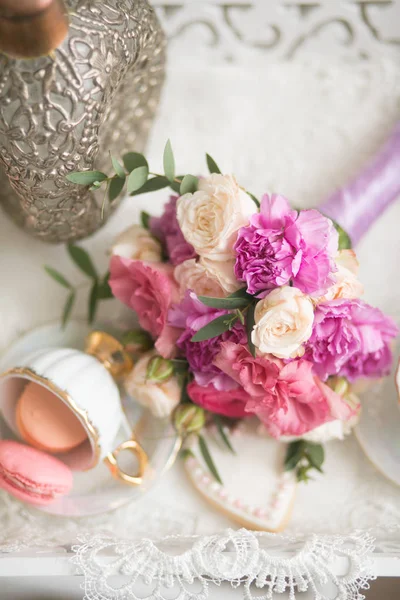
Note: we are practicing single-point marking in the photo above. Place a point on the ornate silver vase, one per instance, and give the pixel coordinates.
(96, 92)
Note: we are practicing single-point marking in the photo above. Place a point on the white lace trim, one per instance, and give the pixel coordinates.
(241, 558)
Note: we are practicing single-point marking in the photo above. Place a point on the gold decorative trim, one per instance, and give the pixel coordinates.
(112, 462)
(80, 413)
(110, 352)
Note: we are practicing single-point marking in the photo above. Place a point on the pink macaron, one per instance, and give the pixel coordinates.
(32, 475)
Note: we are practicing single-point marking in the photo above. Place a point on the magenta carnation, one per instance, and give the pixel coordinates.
(166, 229)
(352, 339)
(192, 315)
(281, 245)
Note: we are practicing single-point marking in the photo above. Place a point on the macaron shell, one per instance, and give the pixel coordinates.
(45, 422)
(32, 475)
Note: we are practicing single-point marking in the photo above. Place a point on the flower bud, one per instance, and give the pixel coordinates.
(340, 385)
(159, 369)
(189, 418)
(137, 341)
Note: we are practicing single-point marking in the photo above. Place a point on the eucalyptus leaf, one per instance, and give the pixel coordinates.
(134, 160)
(175, 185)
(68, 308)
(152, 185)
(96, 186)
(118, 168)
(103, 288)
(344, 238)
(222, 434)
(86, 177)
(137, 179)
(57, 277)
(189, 185)
(169, 162)
(208, 459)
(82, 260)
(250, 322)
(316, 455)
(214, 328)
(115, 188)
(228, 303)
(145, 219)
(93, 300)
(212, 165)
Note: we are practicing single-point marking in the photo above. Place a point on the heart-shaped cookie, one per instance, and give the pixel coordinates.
(256, 492)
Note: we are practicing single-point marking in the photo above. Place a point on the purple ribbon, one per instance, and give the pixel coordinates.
(357, 206)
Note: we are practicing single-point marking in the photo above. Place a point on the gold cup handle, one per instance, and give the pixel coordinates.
(111, 461)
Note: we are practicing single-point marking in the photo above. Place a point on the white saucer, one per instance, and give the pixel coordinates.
(378, 431)
(95, 491)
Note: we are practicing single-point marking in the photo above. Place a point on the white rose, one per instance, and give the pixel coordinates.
(138, 244)
(347, 283)
(192, 275)
(334, 430)
(211, 217)
(283, 322)
(223, 272)
(159, 397)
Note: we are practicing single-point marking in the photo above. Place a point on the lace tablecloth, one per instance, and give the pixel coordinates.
(301, 128)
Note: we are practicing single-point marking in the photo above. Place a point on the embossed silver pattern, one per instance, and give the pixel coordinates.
(97, 93)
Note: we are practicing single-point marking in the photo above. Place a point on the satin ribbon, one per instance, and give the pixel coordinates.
(357, 206)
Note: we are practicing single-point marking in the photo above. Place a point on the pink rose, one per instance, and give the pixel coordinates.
(299, 403)
(288, 399)
(231, 403)
(256, 375)
(149, 289)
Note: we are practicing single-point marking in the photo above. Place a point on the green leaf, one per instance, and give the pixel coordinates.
(68, 308)
(152, 185)
(93, 299)
(212, 165)
(169, 162)
(145, 219)
(294, 455)
(255, 200)
(228, 303)
(137, 179)
(82, 260)
(316, 455)
(175, 186)
(57, 277)
(344, 238)
(240, 316)
(214, 328)
(134, 160)
(189, 185)
(208, 459)
(103, 288)
(223, 435)
(115, 188)
(86, 177)
(250, 322)
(118, 168)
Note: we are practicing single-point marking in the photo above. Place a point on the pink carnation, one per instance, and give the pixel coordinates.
(288, 399)
(166, 228)
(191, 315)
(231, 403)
(281, 245)
(149, 289)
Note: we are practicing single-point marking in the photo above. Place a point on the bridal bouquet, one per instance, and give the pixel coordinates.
(247, 308)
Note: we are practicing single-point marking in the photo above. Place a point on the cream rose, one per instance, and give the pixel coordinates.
(159, 397)
(347, 283)
(138, 244)
(211, 217)
(223, 272)
(192, 275)
(283, 322)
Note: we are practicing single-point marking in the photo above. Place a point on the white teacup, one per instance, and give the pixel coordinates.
(87, 387)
